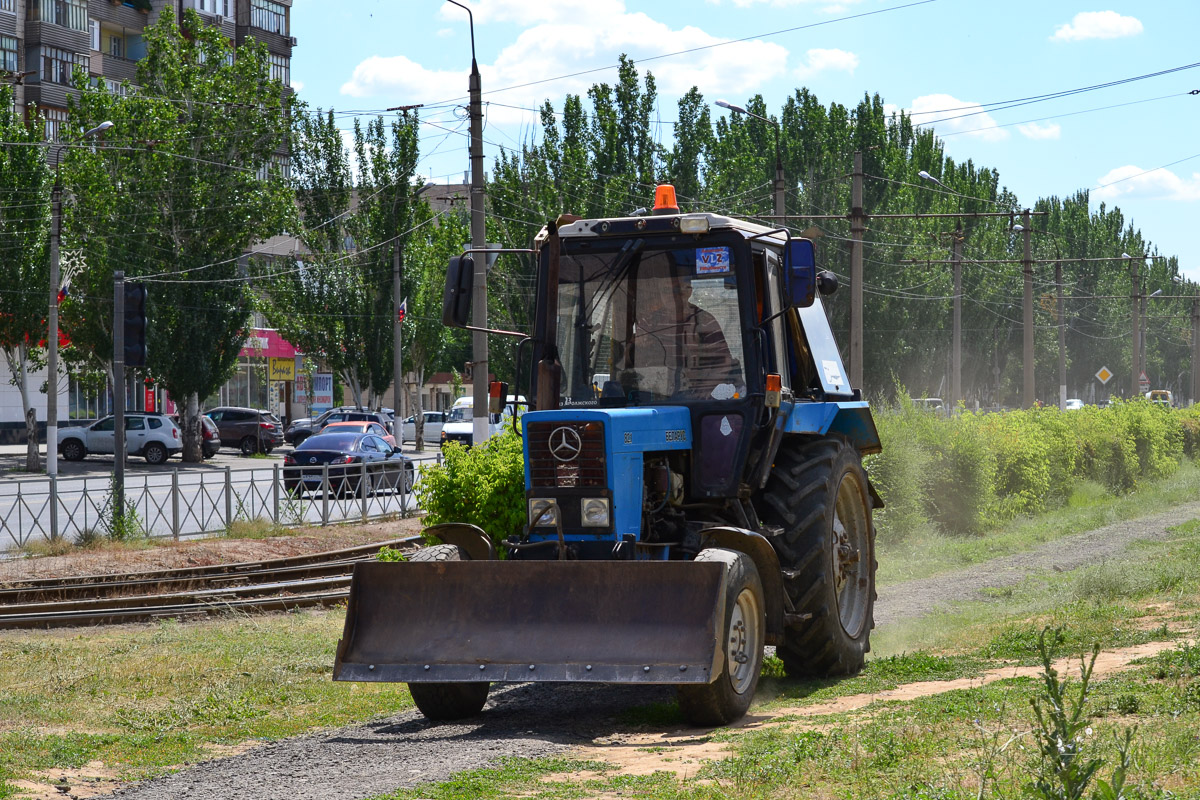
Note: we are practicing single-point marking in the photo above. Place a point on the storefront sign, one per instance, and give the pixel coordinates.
(322, 392)
(300, 389)
(283, 369)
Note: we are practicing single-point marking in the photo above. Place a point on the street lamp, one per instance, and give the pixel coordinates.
(779, 186)
(925, 176)
(52, 317)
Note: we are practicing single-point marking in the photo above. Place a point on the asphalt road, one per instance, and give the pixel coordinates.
(173, 498)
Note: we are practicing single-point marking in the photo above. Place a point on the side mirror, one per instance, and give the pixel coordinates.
(800, 272)
(456, 302)
(827, 282)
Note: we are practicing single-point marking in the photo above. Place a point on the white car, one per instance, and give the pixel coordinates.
(1074, 404)
(154, 437)
(433, 426)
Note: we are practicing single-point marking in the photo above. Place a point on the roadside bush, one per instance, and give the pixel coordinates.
(972, 471)
(483, 485)
(899, 473)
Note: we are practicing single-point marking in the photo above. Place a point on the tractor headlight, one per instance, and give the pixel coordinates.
(538, 505)
(593, 512)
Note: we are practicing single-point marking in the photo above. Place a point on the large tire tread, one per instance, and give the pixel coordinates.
(800, 497)
(718, 702)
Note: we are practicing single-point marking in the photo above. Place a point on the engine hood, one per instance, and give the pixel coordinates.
(628, 430)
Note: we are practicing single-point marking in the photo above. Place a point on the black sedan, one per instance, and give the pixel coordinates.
(349, 458)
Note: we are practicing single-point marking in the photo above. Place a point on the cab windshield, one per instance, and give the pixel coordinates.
(639, 325)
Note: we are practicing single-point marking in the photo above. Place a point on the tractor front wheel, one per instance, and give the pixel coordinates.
(728, 697)
(818, 495)
(447, 701)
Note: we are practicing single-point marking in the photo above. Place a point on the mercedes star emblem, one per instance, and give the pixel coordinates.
(312, 459)
(565, 443)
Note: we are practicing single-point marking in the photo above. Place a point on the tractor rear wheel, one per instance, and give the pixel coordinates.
(447, 701)
(818, 495)
(742, 636)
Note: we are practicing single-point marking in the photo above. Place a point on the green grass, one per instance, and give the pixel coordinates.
(145, 698)
(942, 745)
(927, 553)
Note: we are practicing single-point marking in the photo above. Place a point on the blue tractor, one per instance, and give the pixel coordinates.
(693, 476)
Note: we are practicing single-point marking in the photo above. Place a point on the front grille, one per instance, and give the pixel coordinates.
(587, 470)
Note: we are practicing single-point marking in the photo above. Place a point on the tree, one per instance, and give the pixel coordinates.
(24, 255)
(338, 303)
(190, 179)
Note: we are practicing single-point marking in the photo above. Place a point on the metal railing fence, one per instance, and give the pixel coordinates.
(176, 504)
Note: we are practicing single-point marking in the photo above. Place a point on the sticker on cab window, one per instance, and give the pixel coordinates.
(712, 260)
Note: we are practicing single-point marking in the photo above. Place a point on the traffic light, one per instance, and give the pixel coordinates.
(135, 324)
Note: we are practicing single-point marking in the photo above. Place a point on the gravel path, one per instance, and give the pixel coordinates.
(912, 599)
(532, 720)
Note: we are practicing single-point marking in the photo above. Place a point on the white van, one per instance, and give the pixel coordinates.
(460, 422)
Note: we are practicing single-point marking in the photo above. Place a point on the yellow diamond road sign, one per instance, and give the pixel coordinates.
(1104, 375)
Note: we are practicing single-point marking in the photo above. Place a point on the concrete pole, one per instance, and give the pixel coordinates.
(1135, 367)
(1027, 264)
(479, 370)
(857, 227)
(397, 341)
(1195, 349)
(780, 191)
(956, 352)
(52, 332)
(118, 506)
(1062, 339)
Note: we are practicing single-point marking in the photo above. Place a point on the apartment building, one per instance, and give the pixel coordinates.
(41, 42)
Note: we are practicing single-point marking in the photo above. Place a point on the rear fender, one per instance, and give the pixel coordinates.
(760, 551)
(472, 539)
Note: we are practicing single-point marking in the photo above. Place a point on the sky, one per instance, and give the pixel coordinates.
(957, 65)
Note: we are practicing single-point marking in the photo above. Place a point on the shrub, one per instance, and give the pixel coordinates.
(483, 486)
(899, 473)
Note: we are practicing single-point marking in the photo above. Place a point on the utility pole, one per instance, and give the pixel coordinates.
(1062, 339)
(52, 328)
(479, 381)
(118, 499)
(780, 192)
(956, 367)
(1136, 370)
(858, 224)
(1027, 264)
(397, 353)
(1195, 349)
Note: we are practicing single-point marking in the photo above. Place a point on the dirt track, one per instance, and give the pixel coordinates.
(535, 720)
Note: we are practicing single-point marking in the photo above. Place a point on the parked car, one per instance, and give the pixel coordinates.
(433, 426)
(1073, 404)
(154, 437)
(355, 415)
(304, 427)
(349, 456)
(250, 430)
(210, 437)
(364, 426)
(1161, 396)
(460, 422)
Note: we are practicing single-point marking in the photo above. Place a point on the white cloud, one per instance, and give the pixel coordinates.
(297, 86)
(826, 60)
(444, 32)
(1097, 25)
(1134, 181)
(573, 36)
(948, 114)
(1034, 131)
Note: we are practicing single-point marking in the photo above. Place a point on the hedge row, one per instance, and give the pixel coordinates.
(966, 473)
(969, 472)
